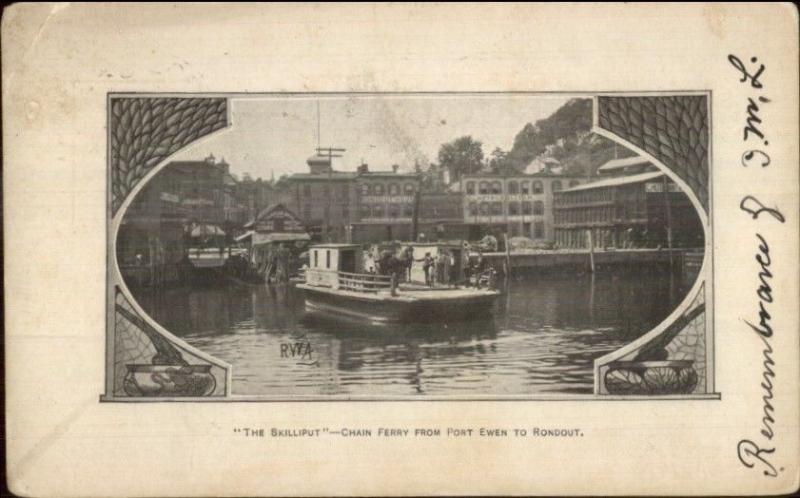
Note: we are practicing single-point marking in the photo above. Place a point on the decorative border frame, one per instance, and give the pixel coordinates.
(165, 123)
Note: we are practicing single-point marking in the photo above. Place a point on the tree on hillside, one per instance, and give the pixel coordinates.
(573, 117)
(461, 156)
(500, 164)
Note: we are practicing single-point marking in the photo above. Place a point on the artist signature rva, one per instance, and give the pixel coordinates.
(299, 349)
(760, 454)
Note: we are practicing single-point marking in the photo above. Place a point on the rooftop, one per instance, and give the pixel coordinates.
(332, 175)
(540, 174)
(616, 181)
(391, 174)
(623, 163)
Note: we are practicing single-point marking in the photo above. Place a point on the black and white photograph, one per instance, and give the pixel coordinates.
(445, 245)
(401, 249)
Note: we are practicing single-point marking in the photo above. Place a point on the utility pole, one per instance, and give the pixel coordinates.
(330, 153)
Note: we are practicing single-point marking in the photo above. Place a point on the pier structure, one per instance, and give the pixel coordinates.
(561, 259)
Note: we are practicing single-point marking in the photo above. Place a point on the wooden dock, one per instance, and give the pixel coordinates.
(581, 258)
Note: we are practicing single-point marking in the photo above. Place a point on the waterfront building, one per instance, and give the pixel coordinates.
(273, 228)
(385, 202)
(157, 227)
(645, 209)
(324, 199)
(518, 205)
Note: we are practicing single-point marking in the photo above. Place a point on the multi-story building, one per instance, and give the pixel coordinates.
(385, 201)
(155, 230)
(516, 205)
(643, 209)
(368, 206)
(324, 199)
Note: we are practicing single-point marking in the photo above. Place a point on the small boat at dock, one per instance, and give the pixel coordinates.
(336, 282)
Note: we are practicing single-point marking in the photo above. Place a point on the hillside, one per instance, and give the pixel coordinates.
(564, 135)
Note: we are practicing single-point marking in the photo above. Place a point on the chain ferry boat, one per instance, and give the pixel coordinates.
(337, 282)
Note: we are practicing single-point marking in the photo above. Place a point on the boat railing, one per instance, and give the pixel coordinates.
(363, 282)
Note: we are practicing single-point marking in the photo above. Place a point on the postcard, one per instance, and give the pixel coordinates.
(401, 249)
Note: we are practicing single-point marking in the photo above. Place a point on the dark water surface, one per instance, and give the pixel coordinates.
(543, 337)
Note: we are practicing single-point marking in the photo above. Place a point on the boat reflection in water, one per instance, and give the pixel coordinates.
(541, 337)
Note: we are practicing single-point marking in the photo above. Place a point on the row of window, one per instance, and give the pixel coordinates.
(391, 189)
(514, 208)
(588, 215)
(602, 213)
(392, 211)
(342, 191)
(514, 187)
(586, 196)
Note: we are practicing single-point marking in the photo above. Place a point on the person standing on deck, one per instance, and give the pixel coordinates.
(409, 262)
(446, 264)
(427, 263)
(438, 266)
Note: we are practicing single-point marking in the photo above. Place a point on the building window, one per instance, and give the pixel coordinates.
(364, 189)
(527, 208)
(394, 210)
(513, 187)
(538, 207)
(377, 212)
(556, 186)
(473, 209)
(497, 208)
(514, 230)
(316, 259)
(538, 230)
(483, 188)
(526, 229)
(574, 183)
(497, 188)
(307, 190)
(408, 210)
(513, 208)
(470, 188)
(537, 187)
(394, 189)
(366, 211)
(526, 188)
(345, 212)
(343, 193)
(484, 209)
(377, 189)
(327, 258)
(409, 188)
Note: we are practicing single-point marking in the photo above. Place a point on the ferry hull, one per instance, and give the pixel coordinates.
(391, 310)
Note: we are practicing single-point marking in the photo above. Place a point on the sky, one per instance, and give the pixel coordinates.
(277, 134)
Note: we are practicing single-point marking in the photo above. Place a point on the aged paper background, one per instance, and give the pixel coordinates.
(59, 62)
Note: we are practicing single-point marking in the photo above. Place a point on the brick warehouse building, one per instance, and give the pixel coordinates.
(324, 199)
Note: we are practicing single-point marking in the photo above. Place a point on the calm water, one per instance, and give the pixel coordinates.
(543, 337)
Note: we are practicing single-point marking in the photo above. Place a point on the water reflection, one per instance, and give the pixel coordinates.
(543, 337)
